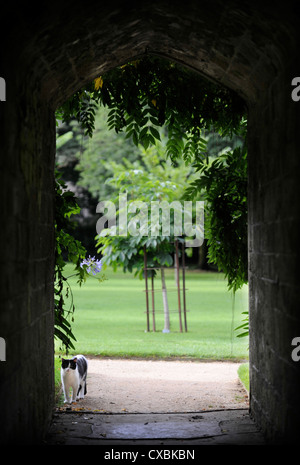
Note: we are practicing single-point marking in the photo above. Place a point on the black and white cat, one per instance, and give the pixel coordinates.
(73, 375)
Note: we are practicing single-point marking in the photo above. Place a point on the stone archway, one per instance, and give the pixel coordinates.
(51, 51)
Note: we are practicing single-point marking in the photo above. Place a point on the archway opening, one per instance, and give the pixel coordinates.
(249, 48)
(185, 349)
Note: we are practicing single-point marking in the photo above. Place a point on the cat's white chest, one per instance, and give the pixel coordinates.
(70, 376)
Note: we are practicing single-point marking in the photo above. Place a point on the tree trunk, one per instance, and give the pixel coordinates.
(175, 270)
(165, 301)
(202, 257)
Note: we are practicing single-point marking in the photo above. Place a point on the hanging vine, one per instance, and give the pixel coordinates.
(149, 93)
(67, 249)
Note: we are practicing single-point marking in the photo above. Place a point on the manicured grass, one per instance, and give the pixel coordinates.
(57, 380)
(243, 372)
(110, 318)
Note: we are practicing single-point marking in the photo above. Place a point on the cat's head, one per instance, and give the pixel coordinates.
(68, 364)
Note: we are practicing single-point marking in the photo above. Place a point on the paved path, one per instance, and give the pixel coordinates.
(161, 386)
(135, 402)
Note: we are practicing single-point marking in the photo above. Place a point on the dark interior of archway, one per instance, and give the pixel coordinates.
(55, 49)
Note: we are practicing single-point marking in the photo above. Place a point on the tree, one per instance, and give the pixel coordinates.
(155, 180)
(223, 183)
(150, 93)
(105, 145)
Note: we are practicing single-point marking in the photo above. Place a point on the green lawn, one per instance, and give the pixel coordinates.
(57, 380)
(243, 372)
(110, 318)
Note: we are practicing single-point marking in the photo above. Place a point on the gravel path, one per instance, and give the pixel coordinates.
(140, 386)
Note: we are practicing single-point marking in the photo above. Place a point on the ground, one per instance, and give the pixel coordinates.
(140, 386)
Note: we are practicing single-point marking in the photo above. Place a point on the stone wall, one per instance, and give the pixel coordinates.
(27, 260)
(274, 227)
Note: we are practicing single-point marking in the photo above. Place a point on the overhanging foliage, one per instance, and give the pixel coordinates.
(149, 93)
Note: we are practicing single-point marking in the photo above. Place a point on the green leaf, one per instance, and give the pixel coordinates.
(155, 133)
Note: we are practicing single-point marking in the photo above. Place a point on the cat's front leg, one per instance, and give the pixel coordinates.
(74, 392)
(66, 396)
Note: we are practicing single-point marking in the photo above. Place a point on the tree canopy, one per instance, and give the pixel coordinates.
(155, 180)
(149, 93)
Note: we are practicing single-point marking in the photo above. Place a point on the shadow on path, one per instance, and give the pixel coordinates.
(224, 427)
